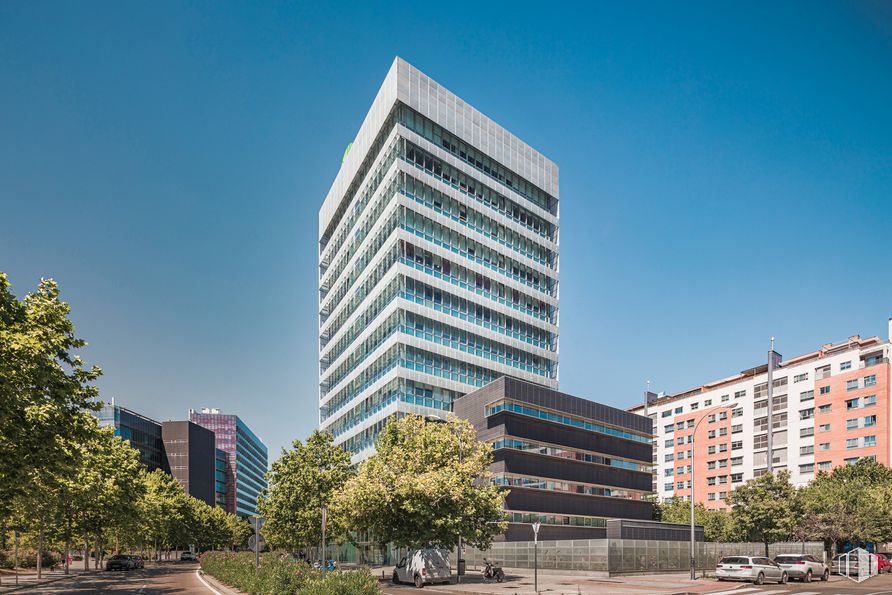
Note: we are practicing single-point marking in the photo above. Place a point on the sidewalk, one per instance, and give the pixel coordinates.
(28, 578)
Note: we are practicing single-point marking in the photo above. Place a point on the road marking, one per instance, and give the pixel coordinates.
(205, 583)
(747, 590)
(808, 593)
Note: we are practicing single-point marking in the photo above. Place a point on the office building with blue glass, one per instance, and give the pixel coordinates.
(438, 262)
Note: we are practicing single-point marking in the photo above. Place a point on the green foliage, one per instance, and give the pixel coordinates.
(283, 577)
(299, 483)
(764, 508)
(27, 558)
(717, 525)
(356, 582)
(850, 503)
(427, 485)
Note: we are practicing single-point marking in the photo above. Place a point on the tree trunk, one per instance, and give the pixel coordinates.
(766, 549)
(86, 553)
(98, 558)
(39, 553)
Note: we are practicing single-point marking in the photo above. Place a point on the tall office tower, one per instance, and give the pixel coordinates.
(191, 456)
(438, 262)
(829, 407)
(246, 458)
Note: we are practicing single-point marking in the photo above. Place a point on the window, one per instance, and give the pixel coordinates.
(806, 432)
(779, 421)
(678, 410)
(695, 406)
(723, 415)
(807, 395)
(679, 425)
(736, 412)
(807, 468)
(723, 448)
(807, 413)
(870, 441)
(723, 431)
(710, 465)
(845, 366)
(824, 466)
(737, 445)
(680, 485)
(870, 380)
(726, 398)
(707, 402)
(740, 394)
(870, 400)
(824, 428)
(852, 443)
(824, 408)
(690, 423)
(825, 390)
(736, 461)
(710, 481)
(669, 457)
(853, 403)
(666, 413)
(807, 450)
(758, 406)
(760, 441)
(722, 479)
(824, 446)
(800, 377)
(668, 486)
(736, 477)
(723, 463)
(711, 450)
(822, 372)
(668, 443)
(679, 440)
(711, 495)
(852, 384)
(710, 434)
(669, 429)
(852, 460)
(710, 418)
(736, 429)
(761, 424)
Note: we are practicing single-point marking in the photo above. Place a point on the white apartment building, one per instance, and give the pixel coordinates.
(438, 262)
(830, 407)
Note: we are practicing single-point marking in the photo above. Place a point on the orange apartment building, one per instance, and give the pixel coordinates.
(830, 407)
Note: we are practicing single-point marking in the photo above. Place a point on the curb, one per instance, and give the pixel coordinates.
(214, 584)
(43, 582)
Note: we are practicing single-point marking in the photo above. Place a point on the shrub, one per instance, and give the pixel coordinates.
(27, 558)
(356, 582)
(283, 577)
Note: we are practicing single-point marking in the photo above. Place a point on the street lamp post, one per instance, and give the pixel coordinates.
(536, 526)
(693, 471)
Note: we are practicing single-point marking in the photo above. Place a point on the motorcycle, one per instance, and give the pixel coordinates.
(493, 571)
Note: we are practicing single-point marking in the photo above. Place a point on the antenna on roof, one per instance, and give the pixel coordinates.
(772, 343)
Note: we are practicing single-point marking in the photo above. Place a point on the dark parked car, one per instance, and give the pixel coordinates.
(120, 562)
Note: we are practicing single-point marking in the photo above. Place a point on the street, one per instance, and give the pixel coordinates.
(155, 579)
(556, 584)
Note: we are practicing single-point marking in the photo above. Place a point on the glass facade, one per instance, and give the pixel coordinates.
(246, 459)
(438, 270)
(144, 434)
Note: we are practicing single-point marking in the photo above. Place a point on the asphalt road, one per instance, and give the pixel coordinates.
(878, 585)
(160, 579)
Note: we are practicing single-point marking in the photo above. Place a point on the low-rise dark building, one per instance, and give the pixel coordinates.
(143, 433)
(569, 463)
(192, 458)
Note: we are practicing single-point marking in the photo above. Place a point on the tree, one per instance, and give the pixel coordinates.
(761, 508)
(844, 503)
(717, 525)
(44, 387)
(300, 482)
(415, 492)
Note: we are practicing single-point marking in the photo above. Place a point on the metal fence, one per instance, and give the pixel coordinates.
(626, 556)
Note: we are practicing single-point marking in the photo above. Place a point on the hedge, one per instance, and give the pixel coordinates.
(27, 558)
(284, 577)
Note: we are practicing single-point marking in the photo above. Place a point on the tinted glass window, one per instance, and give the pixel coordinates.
(735, 561)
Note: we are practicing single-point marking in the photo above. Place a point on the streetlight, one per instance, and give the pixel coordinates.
(693, 469)
(536, 526)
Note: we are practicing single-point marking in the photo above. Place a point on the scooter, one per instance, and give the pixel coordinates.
(493, 571)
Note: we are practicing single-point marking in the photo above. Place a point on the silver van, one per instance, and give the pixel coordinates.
(423, 567)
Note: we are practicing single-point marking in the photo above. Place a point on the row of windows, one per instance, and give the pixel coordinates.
(551, 485)
(555, 519)
(566, 453)
(473, 188)
(568, 420)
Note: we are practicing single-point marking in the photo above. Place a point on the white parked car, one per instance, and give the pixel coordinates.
(423, 567)
(750, 568)
(803, 566)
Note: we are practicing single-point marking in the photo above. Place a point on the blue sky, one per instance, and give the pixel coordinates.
(726, 175)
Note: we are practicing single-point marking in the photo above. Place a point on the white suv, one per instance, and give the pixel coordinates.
(803, 566)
